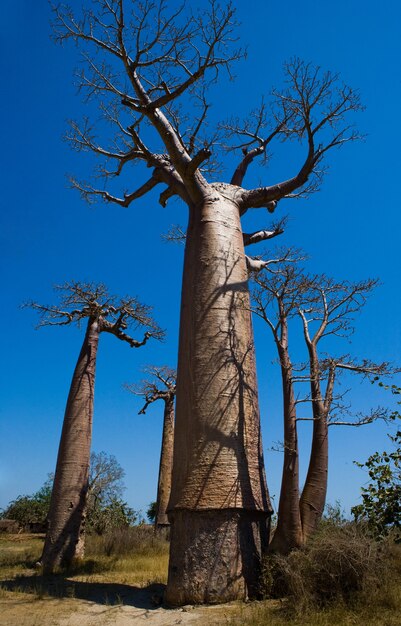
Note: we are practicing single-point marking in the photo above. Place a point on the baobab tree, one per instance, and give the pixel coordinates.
(275, 300)
(142, 64)
(326, 307)
(329, 311)
(161, 385)
(103, 313)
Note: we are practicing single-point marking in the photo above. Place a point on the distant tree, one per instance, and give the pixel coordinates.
(105, 507)
(161, 385)
(102, 313)
(142, 62)
(30, 509)
(151, 512)
(105, 478)
(325, 307)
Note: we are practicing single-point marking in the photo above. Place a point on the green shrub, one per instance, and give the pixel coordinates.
(381, 498)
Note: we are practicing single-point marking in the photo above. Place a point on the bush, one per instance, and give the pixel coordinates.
(381, 498)
(338, 563)
(104, 518)
(127, 541)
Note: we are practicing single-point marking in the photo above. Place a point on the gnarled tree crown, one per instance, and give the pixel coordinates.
(160, 384)
(144, 60)
(79, 301)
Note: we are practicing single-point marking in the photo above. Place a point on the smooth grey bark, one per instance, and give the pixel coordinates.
(219, 487)
(66, 519)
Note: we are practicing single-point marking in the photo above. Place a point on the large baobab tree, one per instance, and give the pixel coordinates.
(103, 313)
(161, 385)
(326, 307)
(149, 69)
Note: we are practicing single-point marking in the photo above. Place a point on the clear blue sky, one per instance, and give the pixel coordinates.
(48, 235)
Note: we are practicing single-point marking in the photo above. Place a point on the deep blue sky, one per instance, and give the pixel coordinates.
(48, 235)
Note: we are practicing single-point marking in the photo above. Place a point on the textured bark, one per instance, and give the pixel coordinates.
(66, 519)
(314, 493)
(288, 534)
(218, 460)
(166, 465)
(219, 559)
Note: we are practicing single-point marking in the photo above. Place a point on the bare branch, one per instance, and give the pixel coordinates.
(88, 193)
(176, 234)
(160, 384)
(314, 104)
(263, 235)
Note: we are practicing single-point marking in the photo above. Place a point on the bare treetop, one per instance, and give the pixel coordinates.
(79, 301)
(159, 385)
(141, 58)
(330, 306)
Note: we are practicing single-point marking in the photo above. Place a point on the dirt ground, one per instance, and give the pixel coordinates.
(119, 605)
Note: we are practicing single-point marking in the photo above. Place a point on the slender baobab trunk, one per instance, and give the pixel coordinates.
(314, 493)
(166, 465)
(65, 533)
(288, 534)
(219, 507)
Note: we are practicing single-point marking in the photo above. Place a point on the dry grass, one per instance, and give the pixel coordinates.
(341, 578)
(103, 584)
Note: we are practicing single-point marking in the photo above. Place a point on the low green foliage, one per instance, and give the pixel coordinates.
(381, 497)
(103, 518)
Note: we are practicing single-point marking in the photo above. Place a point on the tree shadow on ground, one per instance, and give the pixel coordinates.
(61, 586)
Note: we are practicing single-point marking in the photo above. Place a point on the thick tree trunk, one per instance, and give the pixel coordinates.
(313, 498)
(66, 519)
(288, 534)
(166, 466)
(219, 507)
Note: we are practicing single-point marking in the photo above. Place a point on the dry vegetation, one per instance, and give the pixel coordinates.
(342, 578)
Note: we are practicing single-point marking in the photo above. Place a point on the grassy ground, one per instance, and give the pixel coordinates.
(113, 586)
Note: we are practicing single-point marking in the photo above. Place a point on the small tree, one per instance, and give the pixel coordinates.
(326, 308)
(161, 385)
(102, 313)
(105, 478)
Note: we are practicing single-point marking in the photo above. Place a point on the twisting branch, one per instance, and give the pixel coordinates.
(88, 193)
(314, 104)
(160, 384)
(263, 235)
